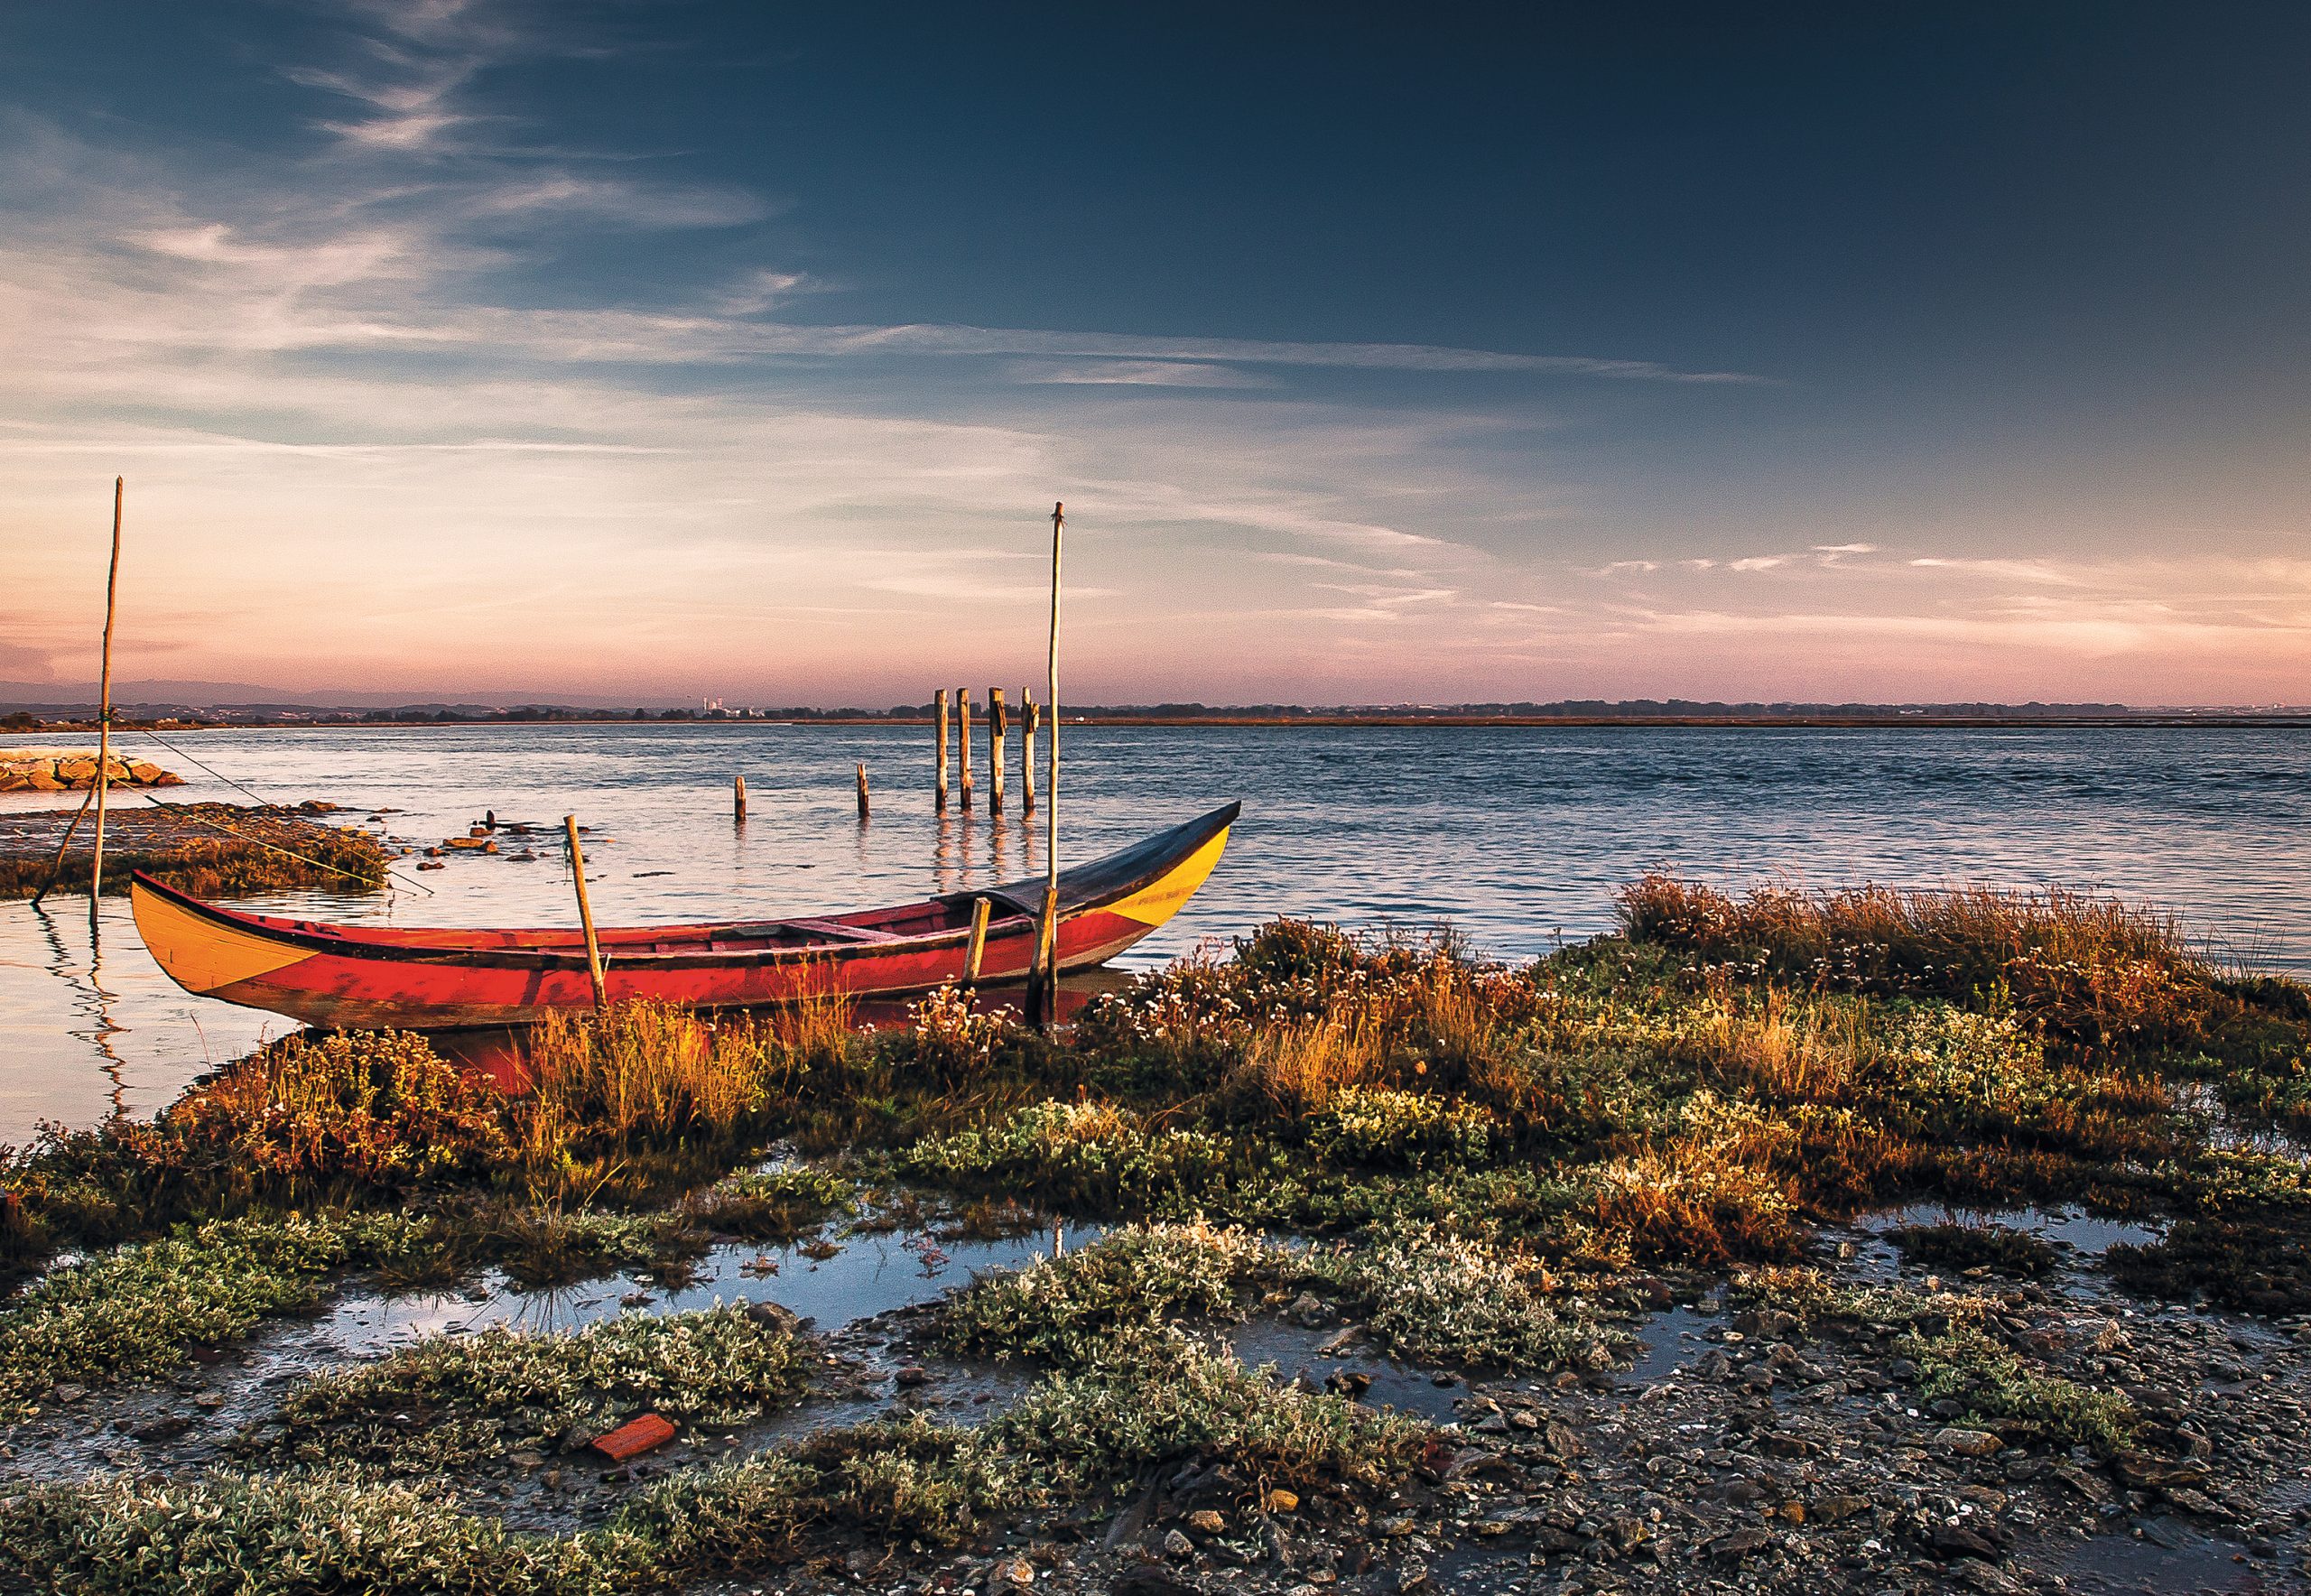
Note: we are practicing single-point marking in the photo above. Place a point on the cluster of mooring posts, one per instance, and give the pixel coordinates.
(999, 730)
(953, 713)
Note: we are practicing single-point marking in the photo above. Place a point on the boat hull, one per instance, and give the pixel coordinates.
(356, 978)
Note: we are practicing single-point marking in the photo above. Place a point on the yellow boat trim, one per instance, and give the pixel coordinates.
(1161, 898)
(200, 954)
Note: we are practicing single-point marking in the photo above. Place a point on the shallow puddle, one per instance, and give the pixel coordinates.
(1297, 1353)
(1669, 1340)
(2080, 1238)
(2083, 1234)
(868, 1276)
(2168, 1557)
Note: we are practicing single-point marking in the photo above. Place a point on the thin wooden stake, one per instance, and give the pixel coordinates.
(997, 723)
(978, 948)
(942, 712)
(738, 797)
(56, 865)
(862, 792)
(1043, 993)
(104, 705)
(1030, 718)
(586, 914)
(963, 738)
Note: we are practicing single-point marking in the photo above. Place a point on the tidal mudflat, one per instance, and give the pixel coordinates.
(1850, 1241)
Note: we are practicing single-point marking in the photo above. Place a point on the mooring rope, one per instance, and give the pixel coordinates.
(285, 853)
(211, 769)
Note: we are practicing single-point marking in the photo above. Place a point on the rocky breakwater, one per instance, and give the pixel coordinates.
(71, 770)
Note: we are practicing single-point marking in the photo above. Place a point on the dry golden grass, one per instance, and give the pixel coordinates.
(1296, 1069)
(1783, 1048)
(1670, 1205)
(2088, 968)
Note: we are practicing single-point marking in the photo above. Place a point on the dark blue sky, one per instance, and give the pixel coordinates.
(2019, 293)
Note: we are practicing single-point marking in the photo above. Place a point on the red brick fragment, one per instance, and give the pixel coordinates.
(635, 1437)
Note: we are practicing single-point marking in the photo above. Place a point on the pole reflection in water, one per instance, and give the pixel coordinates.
(89, 998)
(947, 856)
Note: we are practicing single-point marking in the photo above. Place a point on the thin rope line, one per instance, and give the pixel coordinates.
(211, 770)
(254, 842)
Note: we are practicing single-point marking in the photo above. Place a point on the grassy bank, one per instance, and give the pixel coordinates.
(211, 849)
(1476, 1167)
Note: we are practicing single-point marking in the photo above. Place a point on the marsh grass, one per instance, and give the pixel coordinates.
(1998, 1388)
(769, 1205)
(135, 1312)
(1148, 1398)
(1065, 1310)
(1158, 1397)
(1088, 1156)
(1679, 1096)
(1432, 1298)
(638, 1105)
(1426, 1295)
(473, 1396)
(647, 1096)
(222, 1534)
(2255, 1261)
(2000, 1248)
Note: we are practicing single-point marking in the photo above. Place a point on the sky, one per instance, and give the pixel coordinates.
(652, 350)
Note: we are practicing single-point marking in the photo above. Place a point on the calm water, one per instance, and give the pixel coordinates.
(1517, 836)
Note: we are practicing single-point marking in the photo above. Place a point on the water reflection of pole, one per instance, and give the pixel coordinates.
(92, 1000)
(944, 858)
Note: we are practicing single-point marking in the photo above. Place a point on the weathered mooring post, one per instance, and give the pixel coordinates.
(862, 792)
(940, 711)
(996, 725)
(1030, 718)
(737, 797)
(963, 739)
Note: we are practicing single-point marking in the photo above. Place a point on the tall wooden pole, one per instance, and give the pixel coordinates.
(862, 792)
(963, 739)
(1029, 717)
(997, 722)
(939, 707)
(738, 797)
(1045, 997)
(586, 914)
(104, 703)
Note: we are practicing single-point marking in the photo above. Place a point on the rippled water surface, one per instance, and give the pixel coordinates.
(1519, 836)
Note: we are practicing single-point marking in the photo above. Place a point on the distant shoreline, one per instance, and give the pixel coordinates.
(1293, 722)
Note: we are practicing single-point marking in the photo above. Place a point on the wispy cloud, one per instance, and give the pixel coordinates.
(1153, 374)
(2034, 572)
(365, 344)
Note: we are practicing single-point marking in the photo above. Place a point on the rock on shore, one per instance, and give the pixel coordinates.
(69, 770)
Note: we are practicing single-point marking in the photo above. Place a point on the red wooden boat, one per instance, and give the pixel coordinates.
(363, 977)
